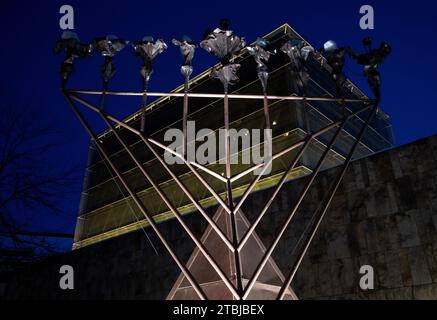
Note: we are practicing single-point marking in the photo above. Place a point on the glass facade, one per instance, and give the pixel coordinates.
(105, 209)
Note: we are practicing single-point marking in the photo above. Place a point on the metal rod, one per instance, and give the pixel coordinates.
(272, 247)
(94, 108)
(266, 165)
(266, 112)
(273, 196)
(220, 96)
(227, 137)
(137, 201)
(185, 118)
(297, 144)
(144, 107)
(102, 98)
(143, 113)
(269, 132)
(332, 192)
(180, 156)
(190, 166)
(174, 210)
(146, 141)
(210, 221)
(234, 227)
(274, 157)
(209, 171)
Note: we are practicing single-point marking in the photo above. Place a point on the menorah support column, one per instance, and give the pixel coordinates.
(143, 113)
(234, 227)
(185, 119)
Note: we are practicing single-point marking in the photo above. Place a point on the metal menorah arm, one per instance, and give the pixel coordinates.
(219, 96)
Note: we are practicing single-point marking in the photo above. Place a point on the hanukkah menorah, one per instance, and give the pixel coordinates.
(229, 261)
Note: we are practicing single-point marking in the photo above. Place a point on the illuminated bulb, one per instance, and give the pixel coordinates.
(275, 123)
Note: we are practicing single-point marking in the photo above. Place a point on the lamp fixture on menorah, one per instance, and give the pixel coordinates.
(147, 50)
(108, 47)
(187, 48)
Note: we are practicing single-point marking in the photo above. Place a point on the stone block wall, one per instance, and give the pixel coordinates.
(383, 215)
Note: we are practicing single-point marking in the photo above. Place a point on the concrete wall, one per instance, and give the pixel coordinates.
(384, 215)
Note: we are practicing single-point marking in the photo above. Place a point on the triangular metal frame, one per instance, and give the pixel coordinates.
(237, 287)
(267, 287)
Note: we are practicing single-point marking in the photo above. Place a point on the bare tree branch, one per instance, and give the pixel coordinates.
(29, 182)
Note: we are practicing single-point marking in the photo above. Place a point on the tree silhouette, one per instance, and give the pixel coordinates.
(29, 184)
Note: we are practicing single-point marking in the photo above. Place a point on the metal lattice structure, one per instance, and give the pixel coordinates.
(229, 205)
(229, 261)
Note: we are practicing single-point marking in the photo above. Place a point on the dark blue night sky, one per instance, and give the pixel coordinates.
(29, 67)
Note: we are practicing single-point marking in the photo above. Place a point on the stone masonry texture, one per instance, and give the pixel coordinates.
(383, 215)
